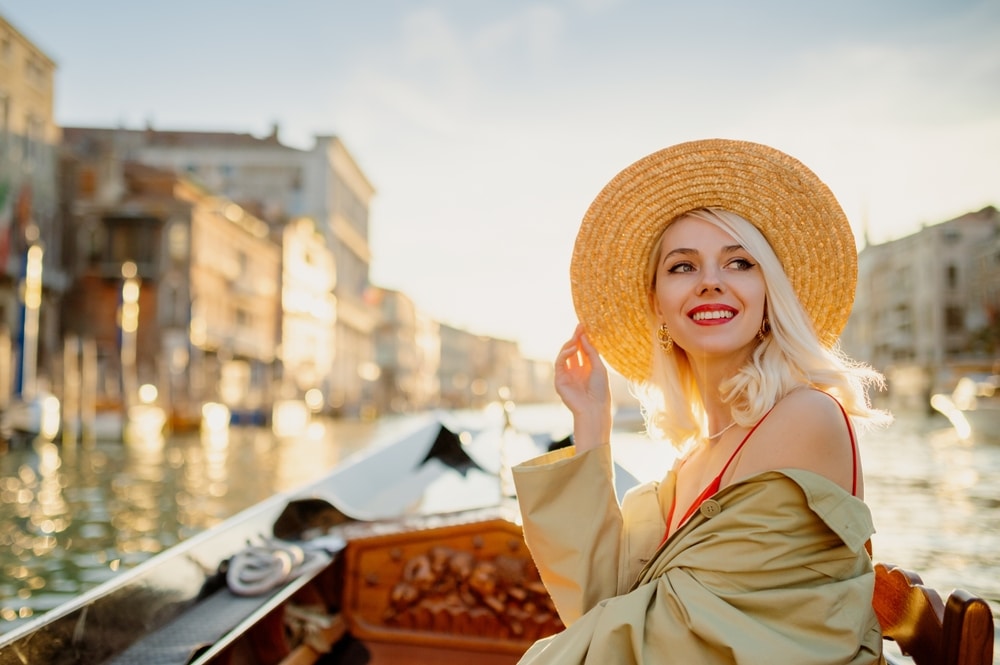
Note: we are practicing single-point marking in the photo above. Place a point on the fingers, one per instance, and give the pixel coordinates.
(570, 356)
(573, 353)
(588, 348)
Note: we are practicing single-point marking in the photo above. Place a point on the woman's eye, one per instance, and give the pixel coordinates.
(680, 267)
(741, 264)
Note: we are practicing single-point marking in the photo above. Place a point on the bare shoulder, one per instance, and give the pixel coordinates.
(810, 412)
(806, 430)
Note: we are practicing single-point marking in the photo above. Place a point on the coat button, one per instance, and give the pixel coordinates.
(710, 508)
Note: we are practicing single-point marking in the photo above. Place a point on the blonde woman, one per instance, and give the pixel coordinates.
(715, 275)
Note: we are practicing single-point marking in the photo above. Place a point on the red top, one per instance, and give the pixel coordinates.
(713, 486)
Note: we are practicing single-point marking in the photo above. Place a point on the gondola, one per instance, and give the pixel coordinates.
(412, 547)
(410, 552)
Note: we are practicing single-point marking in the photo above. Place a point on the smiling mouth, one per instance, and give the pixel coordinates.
(713, 316)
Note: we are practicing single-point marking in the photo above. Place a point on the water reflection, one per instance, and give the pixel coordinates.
(73, 516)
(934, 496)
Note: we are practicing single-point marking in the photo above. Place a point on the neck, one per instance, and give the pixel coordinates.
(710, 371)
(718, 434)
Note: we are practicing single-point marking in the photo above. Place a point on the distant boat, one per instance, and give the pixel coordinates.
(26, 419)
(973, 407)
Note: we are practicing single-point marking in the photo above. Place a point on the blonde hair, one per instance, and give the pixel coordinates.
(789, 356)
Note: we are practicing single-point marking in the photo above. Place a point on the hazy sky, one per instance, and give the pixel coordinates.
(488, 127)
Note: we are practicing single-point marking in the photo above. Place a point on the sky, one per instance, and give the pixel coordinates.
(487, 128)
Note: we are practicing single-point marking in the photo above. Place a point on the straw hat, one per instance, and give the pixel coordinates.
(794, 210)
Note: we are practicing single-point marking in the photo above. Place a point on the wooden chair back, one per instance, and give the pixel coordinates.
(932, 631)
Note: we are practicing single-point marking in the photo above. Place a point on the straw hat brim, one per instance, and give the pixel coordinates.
(792, 207)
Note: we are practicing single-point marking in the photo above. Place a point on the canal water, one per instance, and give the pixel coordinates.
(73, 516)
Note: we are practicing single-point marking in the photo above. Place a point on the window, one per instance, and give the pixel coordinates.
(904, 319)
(951, 276)
(93, 240)
(34, 72)
(87, 182)
(132, 239)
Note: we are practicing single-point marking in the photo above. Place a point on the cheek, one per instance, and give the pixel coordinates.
(665, 303)
(757, 298)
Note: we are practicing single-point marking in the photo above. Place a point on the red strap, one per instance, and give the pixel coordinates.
(854, 447)
(713, 486)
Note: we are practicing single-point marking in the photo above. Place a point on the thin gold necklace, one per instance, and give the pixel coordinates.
(721, 431)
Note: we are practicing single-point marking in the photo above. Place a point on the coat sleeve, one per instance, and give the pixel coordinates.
(572, 526)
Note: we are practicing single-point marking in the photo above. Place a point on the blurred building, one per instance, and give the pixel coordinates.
(477, 369)
(309, 305)
(407, 353)
(279, 183)
(983, 318)
(29, 210)
(463, 369)
(927, 305)
(532, 381)
(423, 364)
(208, 278)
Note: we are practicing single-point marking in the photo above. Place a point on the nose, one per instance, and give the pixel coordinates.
(711, 280)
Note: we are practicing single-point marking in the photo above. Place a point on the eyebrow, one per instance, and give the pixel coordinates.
(684, 251)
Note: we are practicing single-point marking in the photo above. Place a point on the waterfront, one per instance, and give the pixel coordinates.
(73, 516)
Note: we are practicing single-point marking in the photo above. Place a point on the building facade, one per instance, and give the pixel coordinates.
(279, 183)
(339, 194)
(926, 302)
(29, 212)
(309, 319)
(407, 353)
(207, 279)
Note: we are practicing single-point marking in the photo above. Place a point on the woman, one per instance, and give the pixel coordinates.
(715, 275)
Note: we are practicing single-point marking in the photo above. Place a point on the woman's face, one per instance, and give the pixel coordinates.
(709, 290)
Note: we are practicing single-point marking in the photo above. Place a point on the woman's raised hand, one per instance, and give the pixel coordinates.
(581, 381)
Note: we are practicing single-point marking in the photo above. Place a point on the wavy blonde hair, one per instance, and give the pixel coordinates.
(790, 356)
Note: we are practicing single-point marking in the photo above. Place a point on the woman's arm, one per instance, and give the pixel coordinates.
(572, 525)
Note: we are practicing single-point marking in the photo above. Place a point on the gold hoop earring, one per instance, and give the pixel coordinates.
(765, 328)
(666, 341)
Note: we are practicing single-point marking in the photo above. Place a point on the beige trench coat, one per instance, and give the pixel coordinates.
(771, 570)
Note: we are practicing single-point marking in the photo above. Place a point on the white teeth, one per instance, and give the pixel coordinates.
(705, 316)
